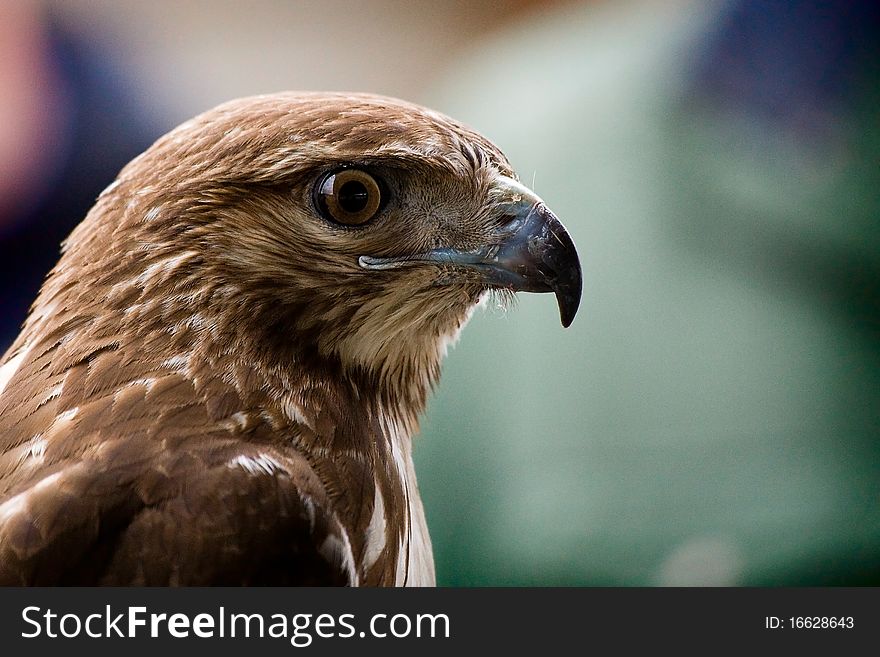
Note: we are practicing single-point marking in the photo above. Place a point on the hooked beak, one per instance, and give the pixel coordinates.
(532, 252)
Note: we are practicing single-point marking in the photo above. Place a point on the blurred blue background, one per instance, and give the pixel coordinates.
(712, 417)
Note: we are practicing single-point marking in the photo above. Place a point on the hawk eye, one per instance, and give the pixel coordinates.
(350, 196)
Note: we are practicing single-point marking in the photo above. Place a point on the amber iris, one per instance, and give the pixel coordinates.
(351, 197)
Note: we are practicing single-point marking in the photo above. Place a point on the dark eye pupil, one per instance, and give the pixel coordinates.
(353, 196)
(349, 196)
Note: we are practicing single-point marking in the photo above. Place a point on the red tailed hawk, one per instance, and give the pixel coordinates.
(219, 381)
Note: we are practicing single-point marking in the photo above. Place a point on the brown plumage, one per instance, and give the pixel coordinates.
(219, 380)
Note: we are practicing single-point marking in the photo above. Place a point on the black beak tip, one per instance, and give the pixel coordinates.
(567, 311)
(562, 266)
(569, 297)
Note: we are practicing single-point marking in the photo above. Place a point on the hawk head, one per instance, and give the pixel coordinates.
(353, 232)
(220, 378)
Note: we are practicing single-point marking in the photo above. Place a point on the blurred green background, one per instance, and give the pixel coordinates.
(712, 417)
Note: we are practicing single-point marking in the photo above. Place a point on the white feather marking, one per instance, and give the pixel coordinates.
(8, 370)
(12, 507)
(296, 413)
(17, 504)
(196, 322)
(177, 363)
(309, 505)
(33, 451)
(270, 419)
(164, 266)
(109, 188)
(39, 317)
(402, 560)
(54, 392)
(152, 213)
(36, 447)
(450, 339)
(66, 416)
(376, 539)
(339, 552)
(399, 464)
(415, 560)
(258, 465)
(172, 263)
(59, 424)
(285, 161)
(147, 383)
(427, 147)
(421, 565)
(237, 421)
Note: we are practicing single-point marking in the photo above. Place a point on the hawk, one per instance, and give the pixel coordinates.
(219, 381)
